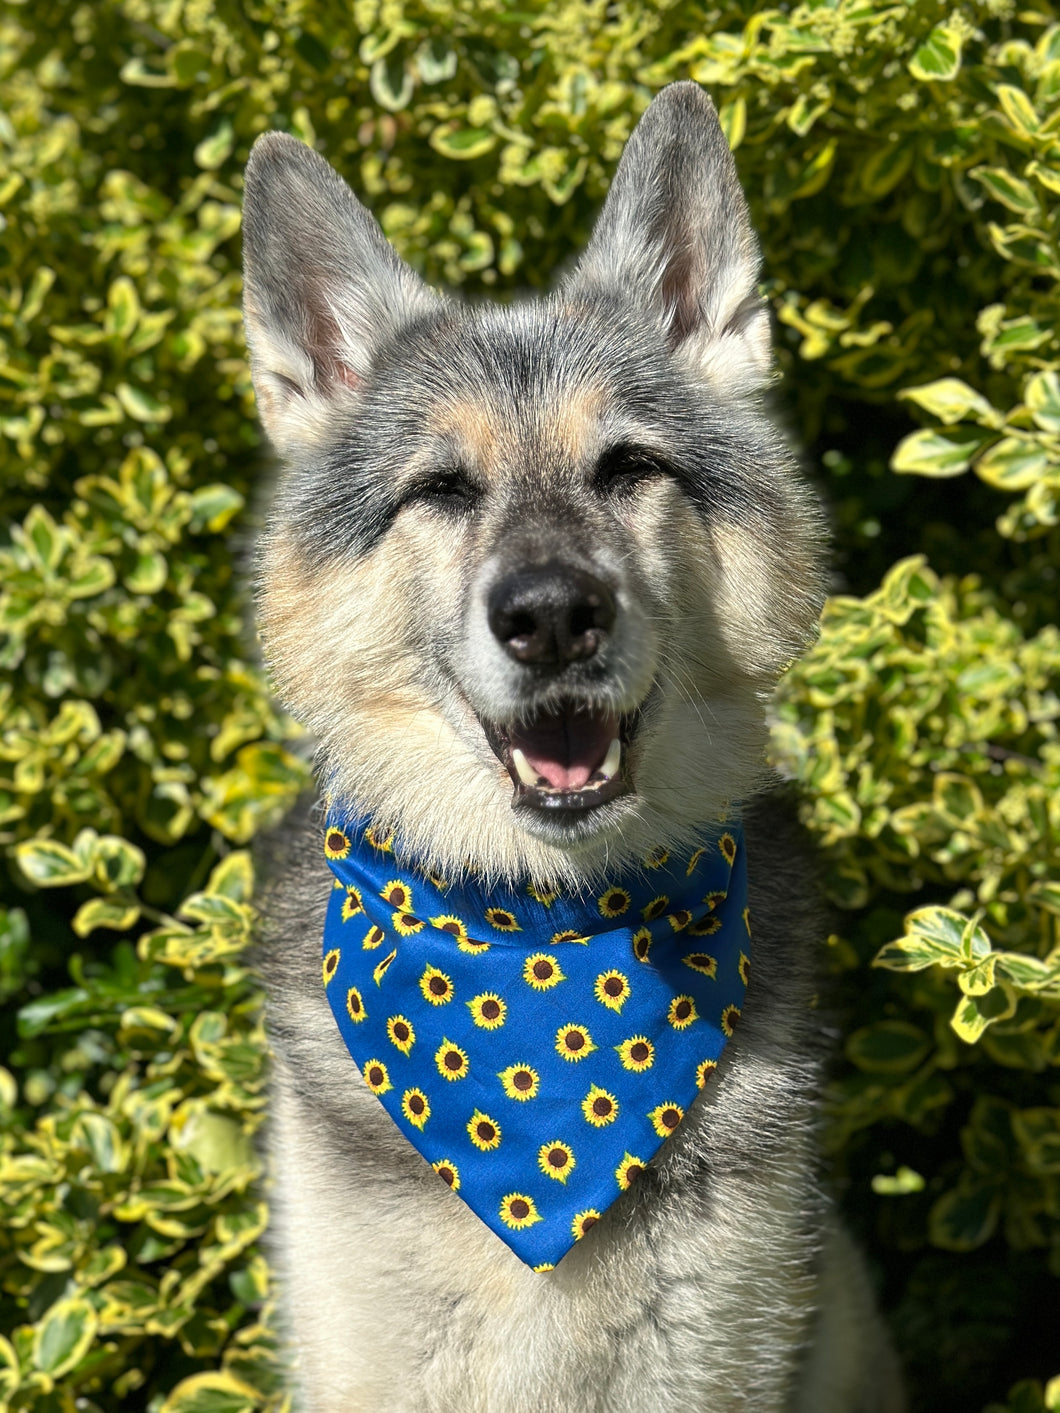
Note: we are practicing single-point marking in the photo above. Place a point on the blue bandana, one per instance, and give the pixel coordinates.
(537, 1048)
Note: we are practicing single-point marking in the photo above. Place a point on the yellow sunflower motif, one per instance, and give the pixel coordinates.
(729, 1016)
(452, 1062)
(665, 1118)
(612, 990)
(502, 920)
(556, 1160)
(702, 962)
(542, 972)
(614, 902)
(520, 1081)
(416, 1107)
(642, 944)
(331, 962)
(442, 884)
(448, 1172)
(746, 915)
(628, 1171)
(682, 1012)
(704, 1070)
(599, 1108)
(336, 844)
(379, 970)
(518, 1211)
(693, 861)
(484, 1133)
(679, 920)
(658, 905)
(457, 929)
(637, 1053)
(743, 966)
(405, 924)
(706, 926)
(568, 934)
(355, 1005)
(398, 894)
(727, 845)
(401, 1033)
(374, 937)
(375, 837)
(713, 899)
(583, 1221)
(336, 884)
(574, 1042)
(488, 1010)
(542, 896)
(655, 858)
(352, 904)
(449, 922)
(376, 1077)
(437, 988)
(544, 1266)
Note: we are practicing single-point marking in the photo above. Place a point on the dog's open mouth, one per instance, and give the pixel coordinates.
(573, 759)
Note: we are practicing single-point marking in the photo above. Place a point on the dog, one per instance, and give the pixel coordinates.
(530, 575)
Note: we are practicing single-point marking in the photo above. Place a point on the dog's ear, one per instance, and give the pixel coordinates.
(323, 289)
(675, 237)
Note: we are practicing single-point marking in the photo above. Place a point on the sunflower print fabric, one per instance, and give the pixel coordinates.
(537, 1048)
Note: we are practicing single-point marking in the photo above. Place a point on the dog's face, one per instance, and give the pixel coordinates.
(532, 569)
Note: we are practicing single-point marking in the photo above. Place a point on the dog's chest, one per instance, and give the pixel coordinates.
(406, 1296)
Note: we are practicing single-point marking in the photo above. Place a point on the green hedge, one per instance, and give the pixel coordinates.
(903, 163)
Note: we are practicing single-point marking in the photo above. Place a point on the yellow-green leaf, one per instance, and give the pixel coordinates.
(1013, 463)
(211, 1393)
(939, 57)
(116, 913)
(951, 401)
(63, 1336)
(937, 454)
(49, 864)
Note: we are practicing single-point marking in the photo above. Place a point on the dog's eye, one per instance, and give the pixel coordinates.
(446, 490)
(623, 467)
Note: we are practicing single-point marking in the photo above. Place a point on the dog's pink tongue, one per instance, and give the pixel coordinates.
(568, 748)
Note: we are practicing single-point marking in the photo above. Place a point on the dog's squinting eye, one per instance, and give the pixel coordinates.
(623, 467)
(444, 490)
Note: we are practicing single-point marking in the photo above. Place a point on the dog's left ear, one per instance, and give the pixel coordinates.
(675, 237)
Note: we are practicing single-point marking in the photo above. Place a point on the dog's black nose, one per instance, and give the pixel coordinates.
(551, 615)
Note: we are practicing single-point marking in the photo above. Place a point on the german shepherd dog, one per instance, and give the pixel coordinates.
(530, 575)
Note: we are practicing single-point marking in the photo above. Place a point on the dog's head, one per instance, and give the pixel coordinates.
(532, 569)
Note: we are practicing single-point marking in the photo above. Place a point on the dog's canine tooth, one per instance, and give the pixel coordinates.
(522, 767)
(612, 760)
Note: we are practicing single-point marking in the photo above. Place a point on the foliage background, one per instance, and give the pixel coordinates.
(903, 163)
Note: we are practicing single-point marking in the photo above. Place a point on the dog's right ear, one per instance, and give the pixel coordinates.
(323, 290)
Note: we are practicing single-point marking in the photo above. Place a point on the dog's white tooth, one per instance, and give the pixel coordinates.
(612, 760)
(522, 768)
